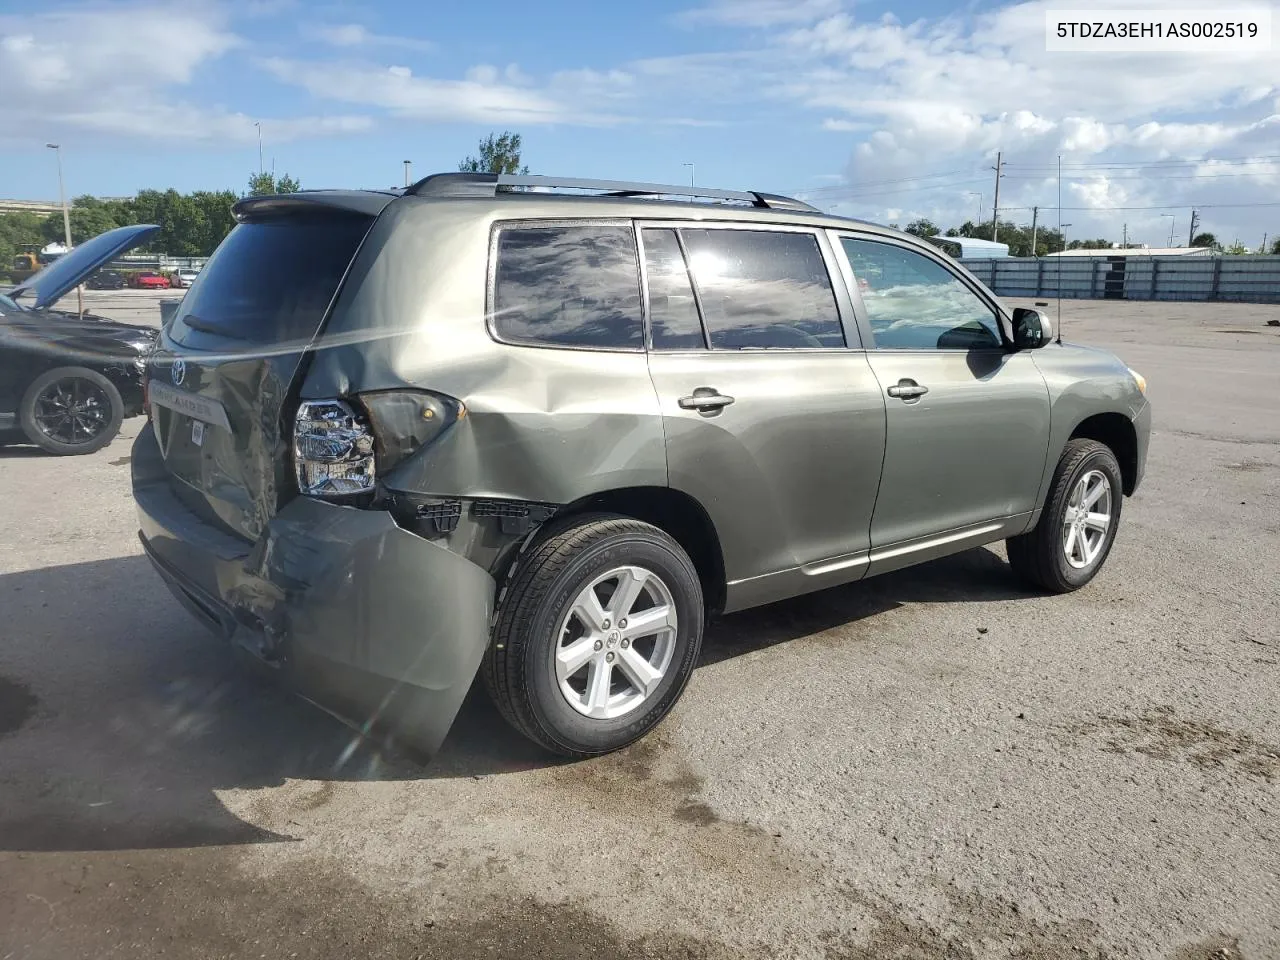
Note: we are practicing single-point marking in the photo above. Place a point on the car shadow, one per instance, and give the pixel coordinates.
(20, 450)
(121, 718)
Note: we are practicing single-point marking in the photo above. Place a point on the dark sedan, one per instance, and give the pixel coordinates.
(67, 380)
(107, 280)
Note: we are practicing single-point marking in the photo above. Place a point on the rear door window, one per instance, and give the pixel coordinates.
(272, 281)
(673, 309)
(571, 285)
(763, 289)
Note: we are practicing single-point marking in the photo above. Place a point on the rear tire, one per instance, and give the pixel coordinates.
(565, 667)
(96, 406)
(1066, 549)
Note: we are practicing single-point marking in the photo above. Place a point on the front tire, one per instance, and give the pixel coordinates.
(71, 410)
(597, 635)
(1069, 545)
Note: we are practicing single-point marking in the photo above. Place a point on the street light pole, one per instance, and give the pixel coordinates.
(693, 170)
(407, 176)
(1172, 222)
(66, 216)
(975, 193)
(258, 124)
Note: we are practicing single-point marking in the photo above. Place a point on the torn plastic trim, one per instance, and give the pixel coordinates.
(429, 514)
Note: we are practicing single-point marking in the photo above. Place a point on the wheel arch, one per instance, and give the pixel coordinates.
(1115, 431)
(677, 514)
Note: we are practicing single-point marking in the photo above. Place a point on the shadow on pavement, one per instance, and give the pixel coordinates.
(123, 717)
(973, 576)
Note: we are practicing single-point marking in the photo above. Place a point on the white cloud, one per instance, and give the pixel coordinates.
(484, 96)
(179, 122)
(946, 94)
(355, 35)
(112, 71)
(758, 13)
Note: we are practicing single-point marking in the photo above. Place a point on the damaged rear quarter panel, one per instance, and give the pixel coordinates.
(542, 424)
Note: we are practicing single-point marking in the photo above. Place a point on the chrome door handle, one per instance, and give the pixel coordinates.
(907, 390)
(705, 400)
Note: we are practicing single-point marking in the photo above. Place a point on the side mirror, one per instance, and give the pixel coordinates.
(1031, 329)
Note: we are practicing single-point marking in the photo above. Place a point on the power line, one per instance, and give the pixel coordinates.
(870, 193)
(1207, 176)
(1168, 206)
(1148, 163)
(876, 183)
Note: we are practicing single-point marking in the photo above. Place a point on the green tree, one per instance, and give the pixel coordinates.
(1204, 240)
(1275, 247)
(19, 230)
(1236, 249)
(922, 228)
(500, 154)
(265, 183)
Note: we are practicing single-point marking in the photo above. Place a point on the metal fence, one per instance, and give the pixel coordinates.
(1247, 279)
(157, 261)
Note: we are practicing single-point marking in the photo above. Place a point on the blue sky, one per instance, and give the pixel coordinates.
(888, 111)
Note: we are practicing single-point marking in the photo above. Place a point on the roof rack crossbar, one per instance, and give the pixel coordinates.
(488, 184)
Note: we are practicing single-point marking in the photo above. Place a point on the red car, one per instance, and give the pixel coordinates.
(150, 281)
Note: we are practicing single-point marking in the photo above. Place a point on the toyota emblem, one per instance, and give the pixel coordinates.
(178, 371)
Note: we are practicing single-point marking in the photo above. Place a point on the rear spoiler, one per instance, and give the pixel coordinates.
(369, 203)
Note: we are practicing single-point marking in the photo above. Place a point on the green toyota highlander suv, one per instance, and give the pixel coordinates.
(541, 429)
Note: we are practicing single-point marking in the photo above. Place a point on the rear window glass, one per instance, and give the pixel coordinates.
(763, 289)
(576, 285)
(271, 282)
(673, 311)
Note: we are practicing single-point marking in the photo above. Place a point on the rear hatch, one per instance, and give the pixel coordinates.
(223, 380)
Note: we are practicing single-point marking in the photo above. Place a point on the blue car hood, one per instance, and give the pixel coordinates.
(73, 268)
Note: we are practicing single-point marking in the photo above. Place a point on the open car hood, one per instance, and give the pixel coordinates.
(71, 269)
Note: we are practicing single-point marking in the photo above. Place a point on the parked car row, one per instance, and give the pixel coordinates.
(141, 280)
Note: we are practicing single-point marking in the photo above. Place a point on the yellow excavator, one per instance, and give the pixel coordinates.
(29, 260)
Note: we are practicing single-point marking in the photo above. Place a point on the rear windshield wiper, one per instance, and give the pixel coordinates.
(204, 326)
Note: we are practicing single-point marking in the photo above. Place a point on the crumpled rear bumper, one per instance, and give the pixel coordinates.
(375, 624)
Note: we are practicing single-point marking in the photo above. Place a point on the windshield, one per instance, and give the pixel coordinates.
(271, 282)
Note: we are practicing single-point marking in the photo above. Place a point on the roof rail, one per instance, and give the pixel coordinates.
(489, 184)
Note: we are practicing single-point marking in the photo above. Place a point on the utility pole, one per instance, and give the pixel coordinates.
(1124, 244)
(407, 175)
(1191, 234)
(995, 207)
(1035, 215)
(1263, 248)
(66, 218)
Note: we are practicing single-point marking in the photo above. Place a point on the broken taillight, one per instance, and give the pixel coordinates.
(333, 454)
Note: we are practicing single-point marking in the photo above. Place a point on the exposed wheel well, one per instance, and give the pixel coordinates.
(1116, 431)
(680, 516)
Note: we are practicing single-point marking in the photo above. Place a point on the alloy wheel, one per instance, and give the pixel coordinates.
(72, 411)
(616, 642)
(1087, 519)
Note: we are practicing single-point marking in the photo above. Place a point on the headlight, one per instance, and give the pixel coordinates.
(1139, 379)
